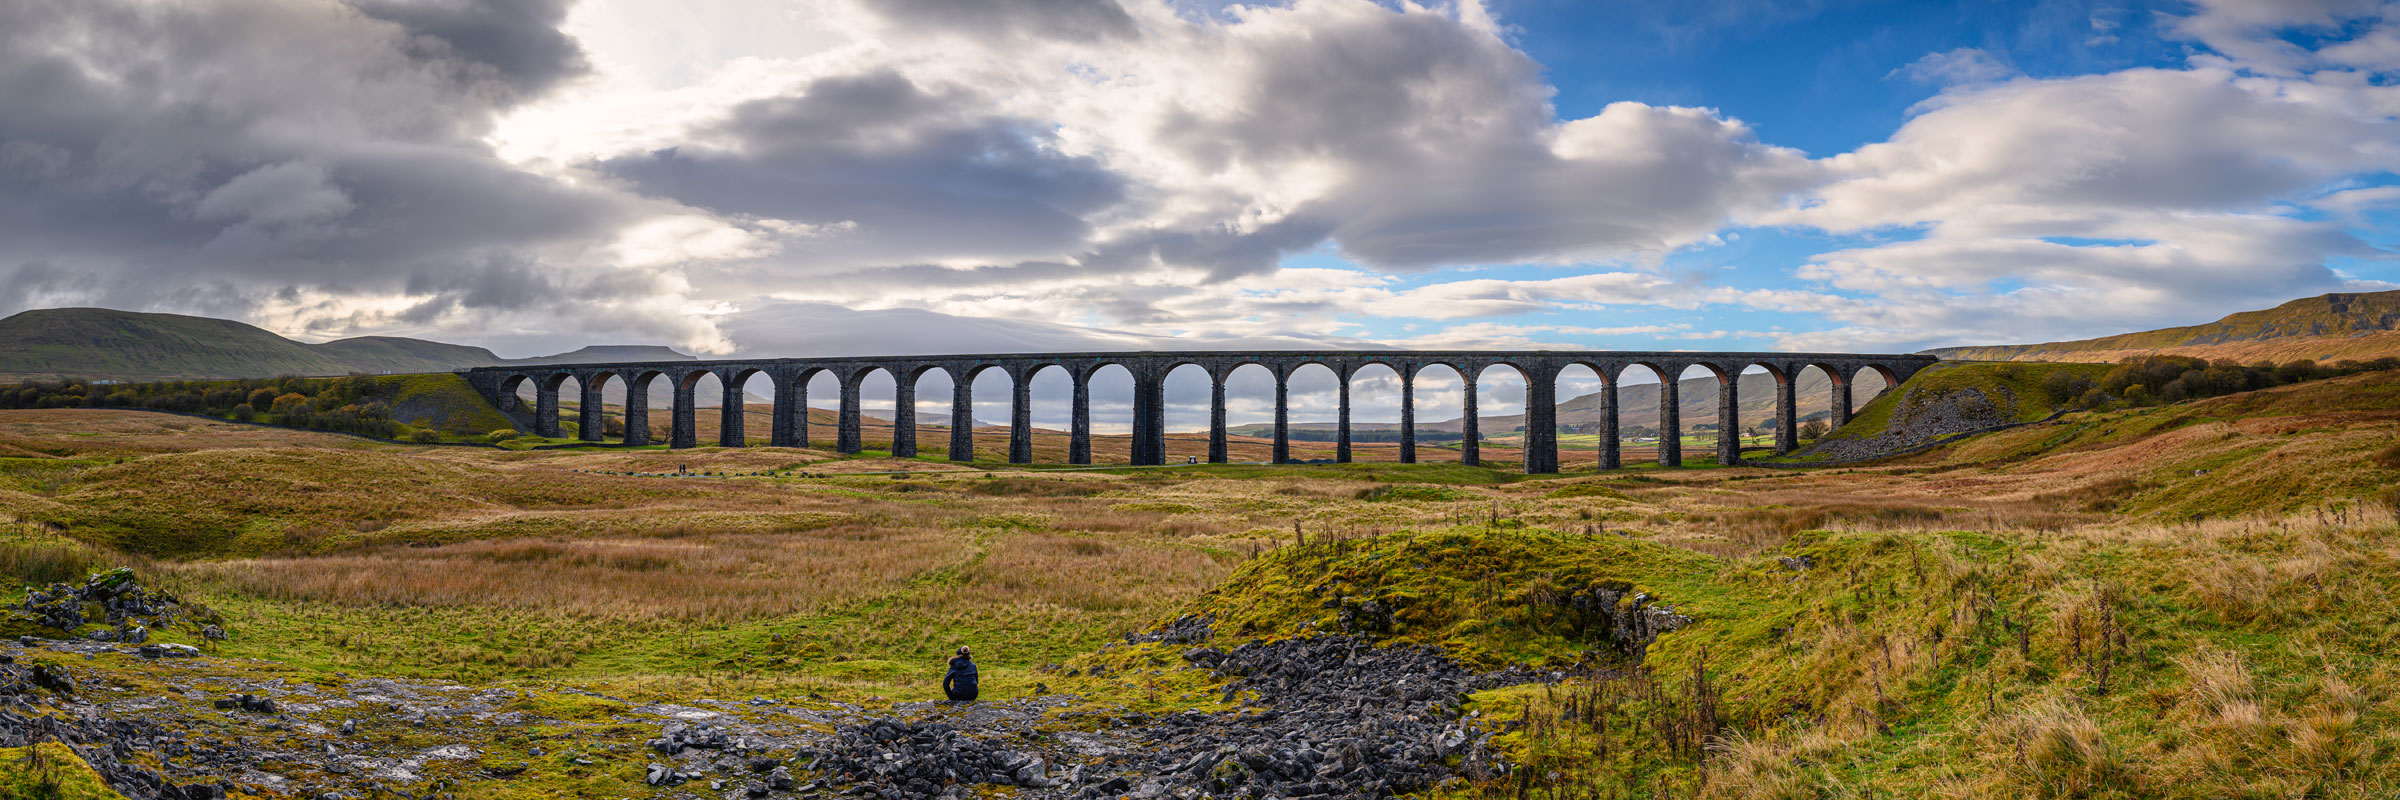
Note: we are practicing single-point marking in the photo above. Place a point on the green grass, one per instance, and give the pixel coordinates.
(2015, 388)
(49, 771)
(440, 401)
(96, 343)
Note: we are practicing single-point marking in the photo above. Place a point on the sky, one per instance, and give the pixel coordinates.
(839, 177)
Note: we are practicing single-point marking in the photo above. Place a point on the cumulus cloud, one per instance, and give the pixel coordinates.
(250, 158)
(2163, 195)
(1132, 172)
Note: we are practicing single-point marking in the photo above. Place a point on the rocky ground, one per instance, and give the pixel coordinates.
(1327, 716)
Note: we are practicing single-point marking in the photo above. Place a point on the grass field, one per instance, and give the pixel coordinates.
(2190, 600)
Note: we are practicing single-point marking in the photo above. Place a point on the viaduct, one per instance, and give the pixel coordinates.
(1149, 369)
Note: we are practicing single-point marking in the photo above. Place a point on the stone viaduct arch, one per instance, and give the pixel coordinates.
(1540, 369)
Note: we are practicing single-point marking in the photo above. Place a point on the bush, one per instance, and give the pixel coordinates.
(289, 403)
(263, 398)
(245, 412)
(501, 435)
(425, 435)
(2066, 384)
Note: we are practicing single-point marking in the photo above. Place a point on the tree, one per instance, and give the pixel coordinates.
(263, 398)
(1813, 429)
(288, 404)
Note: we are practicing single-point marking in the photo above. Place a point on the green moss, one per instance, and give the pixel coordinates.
(1492, 596)
(49, 771)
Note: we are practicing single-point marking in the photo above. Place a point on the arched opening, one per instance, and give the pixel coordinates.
(824, 408)
(1108, 415)
(1187, 393)
(1816, 390)
(1648, 433)
(516, 393)
(1440, 397)
(1312, 414)
(1506, 422)
(1708, 429)
(1578, 418)
(1764, 393)
(878, 409)
(1870, 382)
(1250, 413)
(1375, 413)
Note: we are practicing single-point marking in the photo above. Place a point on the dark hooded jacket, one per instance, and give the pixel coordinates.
(960, 683)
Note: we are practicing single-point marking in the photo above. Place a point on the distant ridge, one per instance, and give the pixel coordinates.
(107, 344)
(611, 353)
(2326, 327)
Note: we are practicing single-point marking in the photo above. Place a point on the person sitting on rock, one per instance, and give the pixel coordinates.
(960, 683)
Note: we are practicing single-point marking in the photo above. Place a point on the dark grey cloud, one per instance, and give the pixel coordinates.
(913, 175)
(214, 157)
(1074, 20)
(518, 40)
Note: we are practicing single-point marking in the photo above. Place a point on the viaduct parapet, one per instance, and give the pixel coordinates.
(1540, 369)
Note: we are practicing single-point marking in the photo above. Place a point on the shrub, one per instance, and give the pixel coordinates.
(263, 398)
(2066, 384)
(425, 435)
(245, 412)
(501, 435)
(288, 404)
(1813, 429)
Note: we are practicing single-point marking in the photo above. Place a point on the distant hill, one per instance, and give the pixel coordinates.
(2323, 328)
(106, 344)
(616, 353)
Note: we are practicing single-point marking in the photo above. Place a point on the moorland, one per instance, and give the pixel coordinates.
(2184, 598)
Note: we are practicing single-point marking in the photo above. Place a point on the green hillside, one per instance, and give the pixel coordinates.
(399, 355)
(2332, 315)
(129, 346)
(125, 345)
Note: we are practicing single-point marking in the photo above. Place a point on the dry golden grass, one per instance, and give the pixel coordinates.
(701, 577)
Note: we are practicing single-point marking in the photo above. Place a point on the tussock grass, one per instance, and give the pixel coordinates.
(2187, 601)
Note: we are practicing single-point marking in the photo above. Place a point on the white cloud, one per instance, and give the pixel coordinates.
(1953, 67)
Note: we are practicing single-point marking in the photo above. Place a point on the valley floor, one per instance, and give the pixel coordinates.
(2190, 600)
